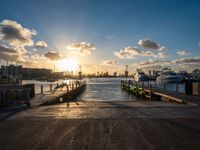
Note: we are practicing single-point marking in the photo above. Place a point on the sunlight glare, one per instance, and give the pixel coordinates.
(68, 64)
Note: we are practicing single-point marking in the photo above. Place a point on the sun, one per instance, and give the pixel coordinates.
(68, 64)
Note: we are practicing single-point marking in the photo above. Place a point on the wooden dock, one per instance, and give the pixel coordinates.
(154, 93)
(61, 93)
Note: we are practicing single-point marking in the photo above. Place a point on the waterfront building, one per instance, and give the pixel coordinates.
(36, 73)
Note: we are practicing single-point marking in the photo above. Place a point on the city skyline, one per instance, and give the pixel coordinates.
(100, 35)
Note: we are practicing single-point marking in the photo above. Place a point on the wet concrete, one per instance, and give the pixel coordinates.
(104, 125)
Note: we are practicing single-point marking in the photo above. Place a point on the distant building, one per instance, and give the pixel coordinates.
(10, 74)
(11, 70)
(35, 73)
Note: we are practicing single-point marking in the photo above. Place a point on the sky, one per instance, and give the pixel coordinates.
(101, 35)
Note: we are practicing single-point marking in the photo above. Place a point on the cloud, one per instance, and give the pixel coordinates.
(188, 60)
(6, 49)
(183, 52)
(149, 44)
(8, 57)
(131, 52)
(16, 35)
(81, 48)
(162, 55)
(41, 44)
(53, 55)
(109, 62)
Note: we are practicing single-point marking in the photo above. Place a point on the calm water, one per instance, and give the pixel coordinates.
(104, 89)
(101, 89)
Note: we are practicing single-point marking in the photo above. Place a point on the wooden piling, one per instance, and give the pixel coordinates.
(41, 89)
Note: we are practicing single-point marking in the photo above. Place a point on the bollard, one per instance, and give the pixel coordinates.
(177, 87)
(50, 87)
(41, 89)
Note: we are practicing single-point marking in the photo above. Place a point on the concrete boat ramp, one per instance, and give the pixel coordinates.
(97, 125)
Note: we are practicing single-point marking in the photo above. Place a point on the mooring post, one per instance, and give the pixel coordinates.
(67, 86)
(177, 87)
(150, 87)
(41, 89)
(50, 87)
(143, 91)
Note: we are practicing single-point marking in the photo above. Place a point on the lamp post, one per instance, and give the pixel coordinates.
(80, 73)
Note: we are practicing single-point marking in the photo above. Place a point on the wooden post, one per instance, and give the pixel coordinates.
(67, 86)
(177, 87)
(151, 92)
(50, 87)
(41, 89)
(143, 91)
(57, 84)
(72, 86)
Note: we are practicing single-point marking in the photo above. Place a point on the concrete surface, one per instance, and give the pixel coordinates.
(139, 125)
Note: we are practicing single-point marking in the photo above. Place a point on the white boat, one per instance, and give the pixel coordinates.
(140, 76)
(170, 77)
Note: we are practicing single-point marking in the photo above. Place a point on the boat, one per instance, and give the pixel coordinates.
(170, 77)
(140, 76)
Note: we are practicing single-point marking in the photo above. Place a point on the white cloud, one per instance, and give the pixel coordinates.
(183, 52)
(149, 44)
(131, 52)
(81, 48)
(15, 34)
(41, 44)
(109, 62)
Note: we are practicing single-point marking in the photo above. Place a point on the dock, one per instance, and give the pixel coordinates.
(150, 92)
(60, 93)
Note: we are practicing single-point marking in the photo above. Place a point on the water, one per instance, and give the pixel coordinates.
(101, 89)
(105, 89)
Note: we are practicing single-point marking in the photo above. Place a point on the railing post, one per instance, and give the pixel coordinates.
(41, 89)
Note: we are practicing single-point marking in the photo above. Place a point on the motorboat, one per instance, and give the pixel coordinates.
(170, 77)
(140, 76)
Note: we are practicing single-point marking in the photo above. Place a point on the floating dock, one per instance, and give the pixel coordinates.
(62, 92)
(154, 93)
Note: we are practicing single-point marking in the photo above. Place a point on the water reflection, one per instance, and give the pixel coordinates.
(104, 89)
